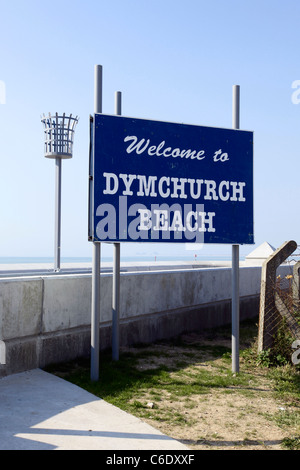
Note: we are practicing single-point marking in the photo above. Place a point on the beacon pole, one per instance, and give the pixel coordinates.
(59, 136)
(96, 266)
(57, 233)
(235, 255)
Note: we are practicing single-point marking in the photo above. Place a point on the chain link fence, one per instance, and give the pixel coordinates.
(279, 316)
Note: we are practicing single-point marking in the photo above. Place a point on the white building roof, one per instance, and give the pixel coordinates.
(263, 251)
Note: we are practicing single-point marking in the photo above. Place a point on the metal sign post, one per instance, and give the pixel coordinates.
(235, 255)
(96, 268)
(116, 271)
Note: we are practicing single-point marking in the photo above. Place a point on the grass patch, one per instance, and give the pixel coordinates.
(291, 443)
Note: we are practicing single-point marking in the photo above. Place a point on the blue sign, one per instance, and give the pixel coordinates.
(156, 181)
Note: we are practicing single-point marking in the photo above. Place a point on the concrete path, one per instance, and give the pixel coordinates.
(39, 411)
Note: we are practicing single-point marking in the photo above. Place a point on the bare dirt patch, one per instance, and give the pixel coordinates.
(233, 417)
(224, 422)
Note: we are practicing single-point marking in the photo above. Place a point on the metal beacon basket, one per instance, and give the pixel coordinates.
(59, 135)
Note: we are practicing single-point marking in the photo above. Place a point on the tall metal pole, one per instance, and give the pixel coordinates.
(57, 235)
(235, 256)
(116, 271)
(95, 313)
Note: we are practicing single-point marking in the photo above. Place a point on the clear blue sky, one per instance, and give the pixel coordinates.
(173, 61)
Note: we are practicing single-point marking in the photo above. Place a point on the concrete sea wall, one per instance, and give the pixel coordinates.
(46, 318)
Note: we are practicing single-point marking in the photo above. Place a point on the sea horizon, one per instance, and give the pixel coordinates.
(85, 259)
